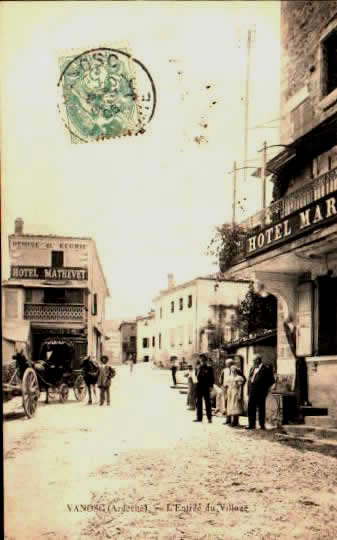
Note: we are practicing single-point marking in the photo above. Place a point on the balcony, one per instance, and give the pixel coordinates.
(55, 313)
(311, 192)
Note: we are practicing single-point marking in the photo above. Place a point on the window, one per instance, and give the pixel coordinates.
(159, 341)
(74, 296)
(29, 295)
(54, 296)
(145, 343)
(329, 57)
(189, 300)
(94, 304)
(181, 335)
(172, 307)
(153, 341)
(132, 341)
(181, 303)
(172, 337)
(190, 334)
(161, 313)
(57, 259)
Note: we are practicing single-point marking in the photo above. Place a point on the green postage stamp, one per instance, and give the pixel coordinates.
(104, 93)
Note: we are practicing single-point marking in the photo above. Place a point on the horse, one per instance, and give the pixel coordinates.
(90, 371)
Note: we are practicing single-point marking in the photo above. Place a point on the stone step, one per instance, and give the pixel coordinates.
(304, 430)
(314, 411)
(321, 421)
(306, 438)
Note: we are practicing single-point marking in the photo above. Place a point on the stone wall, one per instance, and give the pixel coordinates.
(304, 25)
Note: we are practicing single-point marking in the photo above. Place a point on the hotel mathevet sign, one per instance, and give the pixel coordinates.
(314, 215)
(47, 273)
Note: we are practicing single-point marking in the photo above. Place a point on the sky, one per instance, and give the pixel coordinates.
(150, 202)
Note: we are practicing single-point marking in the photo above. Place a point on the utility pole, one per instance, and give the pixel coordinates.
(234, 193)
(263, 174)
(245, 147)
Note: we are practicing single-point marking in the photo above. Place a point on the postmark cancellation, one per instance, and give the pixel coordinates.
(104, 93)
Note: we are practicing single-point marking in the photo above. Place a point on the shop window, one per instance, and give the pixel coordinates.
(189, 301)
(329, 56)
(172, 307)
(145, 343)
(57, 259)
(181, 303)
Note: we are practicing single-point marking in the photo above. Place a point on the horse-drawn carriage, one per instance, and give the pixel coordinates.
(57, 371)
(19, 377)
(53, 373)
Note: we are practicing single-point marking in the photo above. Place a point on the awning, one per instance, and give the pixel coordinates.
(17, 331)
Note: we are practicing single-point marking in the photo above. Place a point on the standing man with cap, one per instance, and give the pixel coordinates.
(260, 379)
(205, 383)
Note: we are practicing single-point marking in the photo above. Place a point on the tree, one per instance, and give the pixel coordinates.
(226, 244)
(256, 313)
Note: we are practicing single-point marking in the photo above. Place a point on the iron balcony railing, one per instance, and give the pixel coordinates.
(54, 312)
(318, 188)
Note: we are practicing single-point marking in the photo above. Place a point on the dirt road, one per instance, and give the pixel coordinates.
(142, 469)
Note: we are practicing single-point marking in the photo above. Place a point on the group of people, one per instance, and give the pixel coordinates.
(229, 392)
(100, 374)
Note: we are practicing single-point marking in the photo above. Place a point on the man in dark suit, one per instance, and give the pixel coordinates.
(260, 379)
(205, 383)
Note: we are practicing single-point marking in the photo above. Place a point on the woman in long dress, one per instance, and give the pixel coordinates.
(234, 384)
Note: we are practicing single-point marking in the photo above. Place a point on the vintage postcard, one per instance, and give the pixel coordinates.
(169, 269)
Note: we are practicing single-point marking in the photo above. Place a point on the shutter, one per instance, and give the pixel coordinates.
(304, 326)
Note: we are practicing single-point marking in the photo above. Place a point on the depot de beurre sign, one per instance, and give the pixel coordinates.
(48, 273)
(315, 214)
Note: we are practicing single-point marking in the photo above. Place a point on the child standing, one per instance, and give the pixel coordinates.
(106, 373)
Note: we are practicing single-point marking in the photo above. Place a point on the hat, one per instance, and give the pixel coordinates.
(229, 362)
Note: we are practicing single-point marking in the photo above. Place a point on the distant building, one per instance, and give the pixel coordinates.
(57, 285)
(195, 316)
(112, 344)
(128, 339)
(146, 337)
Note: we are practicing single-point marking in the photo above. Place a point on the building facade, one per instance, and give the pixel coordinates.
(146, 337)
(112, 344)
(195, 316)
(128, 340)
(57, 285)
(290, 248)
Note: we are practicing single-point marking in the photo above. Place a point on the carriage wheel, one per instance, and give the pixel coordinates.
(64, 392)
(80, 388)
(30, 392)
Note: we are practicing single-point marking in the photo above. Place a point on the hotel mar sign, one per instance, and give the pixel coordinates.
(314, 215)
(48, 273)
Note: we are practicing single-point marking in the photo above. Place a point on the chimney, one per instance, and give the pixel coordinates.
(170, 281)
(18, 226)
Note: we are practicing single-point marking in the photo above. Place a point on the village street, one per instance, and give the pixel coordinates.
(184, 480)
